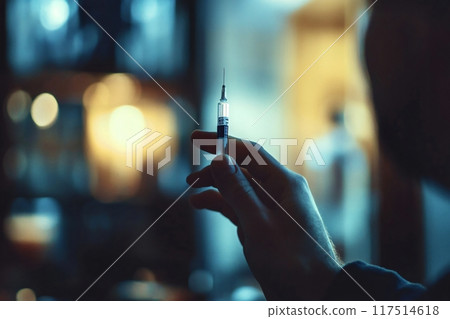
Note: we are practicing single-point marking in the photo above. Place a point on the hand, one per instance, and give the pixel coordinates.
(282, 233)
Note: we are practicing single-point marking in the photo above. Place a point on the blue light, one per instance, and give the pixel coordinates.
(201, 281)
(54, 14)
(247, 293)
(287, 5)
(144, 10)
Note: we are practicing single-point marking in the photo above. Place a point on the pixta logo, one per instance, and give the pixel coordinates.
(308, 151)
(150, 141)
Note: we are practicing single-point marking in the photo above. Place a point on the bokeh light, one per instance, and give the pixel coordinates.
(144, 10)
(124, 122)
(33, 224)
(18, 105)
(123, 88)
(44, 110)
(26, 294)
(30, 228)
(96, 96)
(247, 293)
(201, 281)
(359, 121)
(54, 14)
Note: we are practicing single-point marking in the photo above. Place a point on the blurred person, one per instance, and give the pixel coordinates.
(407, 56)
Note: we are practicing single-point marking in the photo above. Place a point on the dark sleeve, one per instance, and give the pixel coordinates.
(379, 283)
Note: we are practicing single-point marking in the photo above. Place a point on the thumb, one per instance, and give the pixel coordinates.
(236, 189)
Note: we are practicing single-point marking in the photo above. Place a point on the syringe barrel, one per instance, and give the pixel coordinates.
(223, 109)
(222, 127)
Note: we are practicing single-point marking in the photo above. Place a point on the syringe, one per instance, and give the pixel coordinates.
(223, 110)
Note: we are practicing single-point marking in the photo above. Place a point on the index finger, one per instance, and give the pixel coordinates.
(244, 148)
(237, 192)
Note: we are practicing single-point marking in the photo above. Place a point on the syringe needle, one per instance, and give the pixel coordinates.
(223, 96)
(223, 76)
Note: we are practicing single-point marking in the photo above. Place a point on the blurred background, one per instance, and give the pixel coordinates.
(71, 97)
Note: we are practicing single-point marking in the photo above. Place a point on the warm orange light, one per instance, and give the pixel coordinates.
(30, 228)
(359, 122)
(96, 95)
(125, 121)
(115, 111)
(124, 88)
(26, 294)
